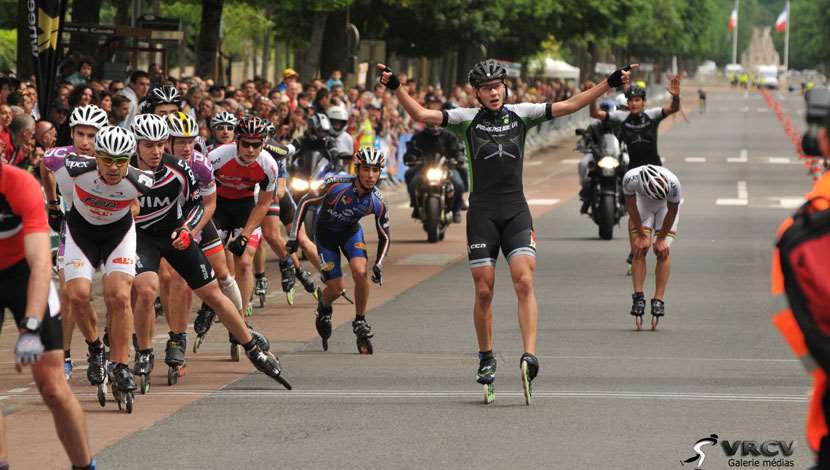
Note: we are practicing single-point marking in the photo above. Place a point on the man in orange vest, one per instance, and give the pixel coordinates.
(791, 326)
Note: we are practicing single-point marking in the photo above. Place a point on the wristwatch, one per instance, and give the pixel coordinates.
(30, 324)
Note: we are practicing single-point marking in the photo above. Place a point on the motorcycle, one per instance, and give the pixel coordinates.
(434, 195)
(606, 170)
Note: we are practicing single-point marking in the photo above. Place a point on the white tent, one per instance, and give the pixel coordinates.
(553, 68)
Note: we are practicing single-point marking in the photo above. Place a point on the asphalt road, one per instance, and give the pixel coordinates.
(606, 396)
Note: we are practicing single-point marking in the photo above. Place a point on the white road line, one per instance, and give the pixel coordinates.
(762, 110)
(533, 163)
(779, 160)
(403, 206)
(695, 159)
(18, 390)
(743, 158)
(723, 110)
(742, 200)
(543, 202)
(571, 161)
(449, 394)
(745, 109)
(3, 397)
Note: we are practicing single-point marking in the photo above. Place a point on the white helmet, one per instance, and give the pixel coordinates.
(115, 141)
(223, 118)
(653, 182)
(339, 117)
(150, 127)
(369, 156)
(622, 102)
(88, 115)
(182, 125)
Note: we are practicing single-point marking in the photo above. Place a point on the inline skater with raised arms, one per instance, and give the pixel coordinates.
(344, 200)
(498, 217)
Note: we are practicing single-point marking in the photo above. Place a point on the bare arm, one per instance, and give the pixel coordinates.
(209, 204)
(588, 97)
(49, 183)
(412, 107)
(674, 90)
(258, 213)
(38, 256)
(633, 213)
(668, 221)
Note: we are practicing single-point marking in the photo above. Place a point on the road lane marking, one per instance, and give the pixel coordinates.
(543, 202)
(742, 200)
(427, 259)
(18, 390)
(571, 161)
(533, 163)
(779, 160)
(695, 159)
(742, 158)
(762, 110)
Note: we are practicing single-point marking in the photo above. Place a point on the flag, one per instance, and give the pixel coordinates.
(733, 21)
(783, 19)
(45, 25)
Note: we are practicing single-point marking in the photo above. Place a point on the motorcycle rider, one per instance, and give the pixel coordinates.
(434, 140)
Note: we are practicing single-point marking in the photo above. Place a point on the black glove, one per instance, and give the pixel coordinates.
(393, 83)
(238, 244)
(55, 218)
(291, 245)
(615, 79)
(377, 275)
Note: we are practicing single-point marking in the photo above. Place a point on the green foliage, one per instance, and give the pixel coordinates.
(8, 49)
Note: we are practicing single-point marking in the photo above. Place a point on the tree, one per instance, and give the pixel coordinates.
(209, 38)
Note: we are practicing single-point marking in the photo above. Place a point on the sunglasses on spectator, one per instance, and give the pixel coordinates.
(223, 128)
(248, 144)
(108, 160)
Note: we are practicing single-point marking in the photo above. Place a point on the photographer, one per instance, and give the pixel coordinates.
(800, 274)
(435, 140)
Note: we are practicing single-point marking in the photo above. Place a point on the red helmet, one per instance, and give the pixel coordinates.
(252, 128)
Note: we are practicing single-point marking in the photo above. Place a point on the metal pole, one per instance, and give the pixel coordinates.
(787, 40)
(735, 37)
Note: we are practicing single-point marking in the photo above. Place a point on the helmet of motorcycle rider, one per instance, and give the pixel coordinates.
(338, 118)
(319, 125)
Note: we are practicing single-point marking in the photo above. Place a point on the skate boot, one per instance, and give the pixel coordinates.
(658, 309)
(158, 307)
(486, 375)
(287, 274)
(530, 367)
(363, 333)
(259, 339)
(266, 363)
(202, 324)
(91, 466)
(307, 280)
(144, 359)
(123, 387)
(323, 323)
(95, 372)
(638, 308)
(174, 356)
(261, 288)
(67, 369)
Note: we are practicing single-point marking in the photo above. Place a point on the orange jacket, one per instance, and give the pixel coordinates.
(786, 323)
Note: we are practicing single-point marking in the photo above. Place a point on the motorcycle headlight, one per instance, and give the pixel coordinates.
(299, 184)
(435, 175)
(316, 184)
(608, 163)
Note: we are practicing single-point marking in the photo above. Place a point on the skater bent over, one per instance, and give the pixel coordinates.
(344, 200)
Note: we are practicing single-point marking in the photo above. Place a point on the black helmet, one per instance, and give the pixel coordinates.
(486, 71)
(162, 95)
(635, 91)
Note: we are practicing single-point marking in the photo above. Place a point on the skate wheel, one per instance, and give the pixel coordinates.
(172, 376)
(234, 353)
(364, 346)
(198, 343)
(638, 322)
(145, 384)
(128, 402)
(261, 300)
(654, 321)
(283, 382)
(102, 395)
(325, 344)
(289, 296)
(526, 384)
(489, 393)
(317, 293)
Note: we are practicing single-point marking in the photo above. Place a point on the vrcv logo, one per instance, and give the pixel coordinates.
(744, 453)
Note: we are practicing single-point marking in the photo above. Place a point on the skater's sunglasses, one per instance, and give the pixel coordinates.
(107, 160)
(224, 128)
(249, 144)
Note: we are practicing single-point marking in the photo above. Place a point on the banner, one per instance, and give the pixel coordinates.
(733, 21)
(45, 23)
(783, 19)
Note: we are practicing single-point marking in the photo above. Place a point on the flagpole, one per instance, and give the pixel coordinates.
(787, 39)
(735, 38)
